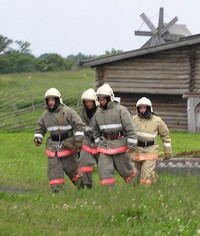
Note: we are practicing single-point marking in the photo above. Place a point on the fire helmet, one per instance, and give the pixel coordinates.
(144, 101)
(53, 92)
(89, 94)
(105, 91)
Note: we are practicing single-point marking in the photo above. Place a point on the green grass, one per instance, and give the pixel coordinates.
(24, 84)
(170, 207)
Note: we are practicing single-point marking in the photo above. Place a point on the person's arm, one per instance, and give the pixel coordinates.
(78, 127)
(40, 131)
(95, 129)
(166, 140)
(129, 127)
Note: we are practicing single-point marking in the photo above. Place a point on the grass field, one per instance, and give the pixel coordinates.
(170, 207)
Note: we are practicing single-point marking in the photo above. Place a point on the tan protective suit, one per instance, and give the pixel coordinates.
(145, 160)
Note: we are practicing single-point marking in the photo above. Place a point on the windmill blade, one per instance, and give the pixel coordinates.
(148, 22)
(143, 33)
(161, 19)
(147, 44)
(167, 26)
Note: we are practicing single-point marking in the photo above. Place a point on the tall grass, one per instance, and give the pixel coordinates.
(22, 95)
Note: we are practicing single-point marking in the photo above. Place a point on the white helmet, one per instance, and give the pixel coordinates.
(89, 94)
(144, 101)
(104, 91)
(52, 92)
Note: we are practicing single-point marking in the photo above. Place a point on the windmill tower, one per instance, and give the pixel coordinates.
(165, 32)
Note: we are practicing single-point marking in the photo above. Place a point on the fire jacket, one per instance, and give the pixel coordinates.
(63, 122)
(116, 119)
(147, 131)
(88, 141)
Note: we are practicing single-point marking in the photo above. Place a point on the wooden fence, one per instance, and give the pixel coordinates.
(20, 113)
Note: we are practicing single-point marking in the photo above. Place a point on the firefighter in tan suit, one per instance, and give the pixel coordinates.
(115, 135)
(66, 135)
(148, 127)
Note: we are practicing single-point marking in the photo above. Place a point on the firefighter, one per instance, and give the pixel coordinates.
(115, 136)
(148, 127)
(88, 154)
(66, 135)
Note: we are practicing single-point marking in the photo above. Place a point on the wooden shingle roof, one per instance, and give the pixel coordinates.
(185, 41)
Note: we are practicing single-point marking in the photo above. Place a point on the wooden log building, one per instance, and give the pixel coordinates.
(168, 74)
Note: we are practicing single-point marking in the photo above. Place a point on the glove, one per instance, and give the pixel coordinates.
(167, 156)
(68, 143)
(37, 141)
(77, 144)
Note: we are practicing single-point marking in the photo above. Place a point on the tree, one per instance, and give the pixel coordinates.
(79, 57)
(4, 43)
(112, 52)
(23, 46)
(16, 62)
(53, 62)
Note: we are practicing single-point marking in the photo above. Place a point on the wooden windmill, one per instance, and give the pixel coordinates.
(163, 32)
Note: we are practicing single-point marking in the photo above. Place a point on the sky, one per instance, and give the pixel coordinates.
(91, 27)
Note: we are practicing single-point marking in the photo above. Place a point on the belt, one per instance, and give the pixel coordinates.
(60, 137)
(112, 136)
(145, 144)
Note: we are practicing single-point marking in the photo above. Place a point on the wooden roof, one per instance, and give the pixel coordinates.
(185, 41)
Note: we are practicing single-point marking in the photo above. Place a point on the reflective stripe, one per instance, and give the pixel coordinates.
(147, 181)
(65, 153)
(54, 128)
(93, 151)
(56, 181)
(107, 181)
(74, 179)
(132, 140)
(167, 144)
(113, 151)
(146, 135)
(96, 140)
(38, 136)
(49, 153)
(131, 176)
(88, 128)
(142, 181)
(60, 154)
(141, 157)
(85, 169)
(110, 126)
(79, 133)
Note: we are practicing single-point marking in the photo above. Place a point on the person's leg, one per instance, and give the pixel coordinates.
(87, 162)
(125, 167)
(72, 169)
(148, 175)
(55, 174)
(106, 170)
(138, 166)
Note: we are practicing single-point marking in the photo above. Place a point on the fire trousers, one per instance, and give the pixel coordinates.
(87, 163)
(107, 164)
(146, 170)
(58, 166)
